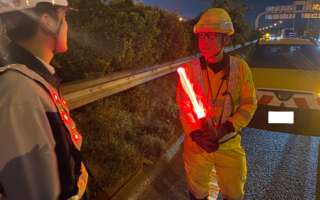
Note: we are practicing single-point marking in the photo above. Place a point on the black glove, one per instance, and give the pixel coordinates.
(216, 133)
(208, 146)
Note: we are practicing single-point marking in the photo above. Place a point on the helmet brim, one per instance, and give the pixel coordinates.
(69, 8)
(228, 32)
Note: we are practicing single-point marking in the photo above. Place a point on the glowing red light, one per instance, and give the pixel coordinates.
(65, 116)
(55, 97)
(76, 137)
(64, 102)
(187, 87)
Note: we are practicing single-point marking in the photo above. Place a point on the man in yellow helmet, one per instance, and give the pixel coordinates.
(224, 88)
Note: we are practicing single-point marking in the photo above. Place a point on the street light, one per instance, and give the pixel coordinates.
(180, 19)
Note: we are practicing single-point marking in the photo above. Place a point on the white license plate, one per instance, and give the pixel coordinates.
(281, 117)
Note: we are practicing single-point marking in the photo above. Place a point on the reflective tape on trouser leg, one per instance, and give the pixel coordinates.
(231, 172)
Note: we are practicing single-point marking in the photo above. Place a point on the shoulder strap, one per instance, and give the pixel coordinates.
(203, 63)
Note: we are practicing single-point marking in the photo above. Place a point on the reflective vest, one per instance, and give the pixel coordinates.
(202, 92)
(63, 110)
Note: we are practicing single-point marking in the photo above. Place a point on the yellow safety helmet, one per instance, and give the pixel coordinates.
(216, 20)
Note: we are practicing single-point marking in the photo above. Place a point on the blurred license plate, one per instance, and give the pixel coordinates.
(280, 117)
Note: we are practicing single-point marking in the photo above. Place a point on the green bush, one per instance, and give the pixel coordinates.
(121, 35)
(106, 127)
(150, 145)
(3, 41)
(254, 35)
(120, 130)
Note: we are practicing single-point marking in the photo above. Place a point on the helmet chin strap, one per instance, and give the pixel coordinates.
(55, 36)
(216, 54)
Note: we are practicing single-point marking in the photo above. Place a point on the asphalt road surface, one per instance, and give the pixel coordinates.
(280, 166)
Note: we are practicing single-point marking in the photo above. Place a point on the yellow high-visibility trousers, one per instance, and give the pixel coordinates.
(230, 165)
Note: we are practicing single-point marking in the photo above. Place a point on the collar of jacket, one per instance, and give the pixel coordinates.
(226, 59)
(18, 55)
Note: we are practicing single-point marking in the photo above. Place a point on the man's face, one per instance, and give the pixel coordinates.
(209, 47)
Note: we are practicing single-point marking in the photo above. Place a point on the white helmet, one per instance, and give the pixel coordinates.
(16, 5)
(11, 19)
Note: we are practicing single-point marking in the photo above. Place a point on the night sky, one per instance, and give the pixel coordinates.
(191, 8)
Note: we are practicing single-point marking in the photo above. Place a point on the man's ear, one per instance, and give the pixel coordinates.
(48, 23)
(226, 40)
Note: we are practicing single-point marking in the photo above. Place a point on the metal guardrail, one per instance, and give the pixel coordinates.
(227, 49)
(83, 92)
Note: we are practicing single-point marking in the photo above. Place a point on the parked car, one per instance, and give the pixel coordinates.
(286, 75)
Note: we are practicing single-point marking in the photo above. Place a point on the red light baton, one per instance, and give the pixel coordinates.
(187, 87)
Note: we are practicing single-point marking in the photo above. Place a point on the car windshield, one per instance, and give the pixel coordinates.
(284, 56)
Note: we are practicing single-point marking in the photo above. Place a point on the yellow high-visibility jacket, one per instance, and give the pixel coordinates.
(244, 99)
